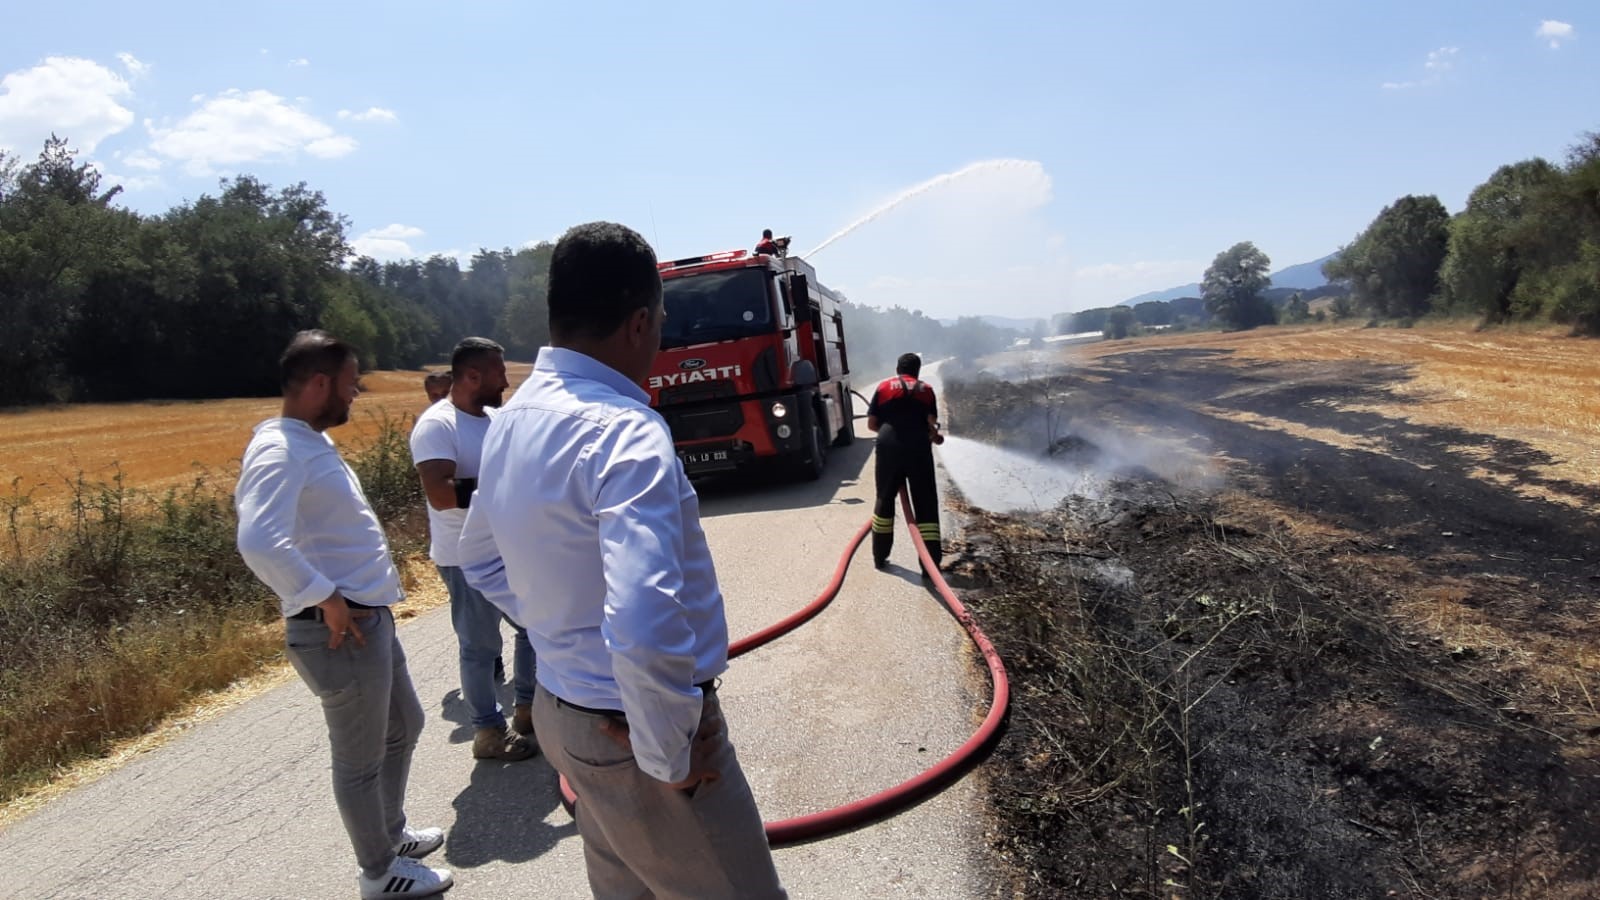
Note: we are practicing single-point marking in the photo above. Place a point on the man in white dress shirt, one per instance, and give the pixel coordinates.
(586, 532)
(306, 529)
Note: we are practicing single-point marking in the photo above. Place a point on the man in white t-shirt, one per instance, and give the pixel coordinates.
(446, 445)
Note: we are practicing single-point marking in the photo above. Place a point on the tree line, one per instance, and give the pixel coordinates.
(1525, 248)
(103, 303)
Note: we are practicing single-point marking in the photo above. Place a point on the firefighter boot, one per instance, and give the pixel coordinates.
(882, 540)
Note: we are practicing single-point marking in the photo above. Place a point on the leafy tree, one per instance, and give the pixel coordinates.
(1154, 312)
(1296, 310)
(1233, 285)
(1393, 266)
(1495, 241)
(1120, 323)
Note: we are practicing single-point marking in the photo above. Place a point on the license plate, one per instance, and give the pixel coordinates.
(701, 457)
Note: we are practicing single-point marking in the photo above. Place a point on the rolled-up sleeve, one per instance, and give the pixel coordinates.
(638, 504)
(267, 499)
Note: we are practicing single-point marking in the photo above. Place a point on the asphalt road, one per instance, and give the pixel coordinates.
(869, 693)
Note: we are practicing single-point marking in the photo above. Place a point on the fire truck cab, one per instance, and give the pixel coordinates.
(753, 366)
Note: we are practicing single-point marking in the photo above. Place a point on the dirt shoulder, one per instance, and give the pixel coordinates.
(1356, 661)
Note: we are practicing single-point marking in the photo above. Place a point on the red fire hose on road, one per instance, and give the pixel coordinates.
(889, 801)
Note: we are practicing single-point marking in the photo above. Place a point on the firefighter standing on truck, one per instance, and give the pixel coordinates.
(905, 416)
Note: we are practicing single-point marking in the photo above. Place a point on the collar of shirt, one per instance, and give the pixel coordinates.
(562, 361)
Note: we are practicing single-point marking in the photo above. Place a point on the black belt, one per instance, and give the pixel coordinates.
(705, 687)
(314, 612)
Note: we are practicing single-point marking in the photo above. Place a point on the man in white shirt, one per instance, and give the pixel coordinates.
(586, 532)
(306, 529)
(445, 445)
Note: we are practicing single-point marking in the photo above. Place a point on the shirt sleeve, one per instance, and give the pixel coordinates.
(267, 499)
(481, 563)
(639, 507)
(431, 439)
(875, 405)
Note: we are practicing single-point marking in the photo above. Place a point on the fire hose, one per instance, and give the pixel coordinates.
(889, 801)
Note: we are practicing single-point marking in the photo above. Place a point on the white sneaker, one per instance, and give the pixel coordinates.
(419, 842)
(406, 878)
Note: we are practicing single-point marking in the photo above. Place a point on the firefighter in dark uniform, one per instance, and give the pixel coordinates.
(905, 416)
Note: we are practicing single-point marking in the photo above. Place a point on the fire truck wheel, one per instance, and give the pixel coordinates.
(816, 451)
(847, 434)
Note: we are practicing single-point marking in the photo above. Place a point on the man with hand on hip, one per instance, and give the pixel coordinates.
(445, 445)
(585, 530)
(306, 529)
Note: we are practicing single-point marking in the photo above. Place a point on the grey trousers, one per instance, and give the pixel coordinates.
(374, 719)
(643, 840)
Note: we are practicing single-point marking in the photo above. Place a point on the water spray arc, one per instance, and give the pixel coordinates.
(988, 165)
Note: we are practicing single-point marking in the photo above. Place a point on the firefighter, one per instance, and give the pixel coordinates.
(767, 244)
(905, 416)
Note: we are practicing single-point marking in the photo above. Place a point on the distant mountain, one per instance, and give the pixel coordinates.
(1023, 325)
(1303, 277)
(1188, 290)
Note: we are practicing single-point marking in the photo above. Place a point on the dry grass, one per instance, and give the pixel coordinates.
(110, 662)
(159, 444)
(142, 691)
(1536, 386)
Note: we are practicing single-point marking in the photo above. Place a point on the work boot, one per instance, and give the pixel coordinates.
(522, 718)
(503, 744)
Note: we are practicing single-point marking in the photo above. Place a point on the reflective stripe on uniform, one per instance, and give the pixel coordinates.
(929, 530)
(882, 525)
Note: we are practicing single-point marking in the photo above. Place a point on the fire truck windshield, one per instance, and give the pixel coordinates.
(716, 306)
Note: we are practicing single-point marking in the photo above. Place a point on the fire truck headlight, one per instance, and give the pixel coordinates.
(779, 410)
(784, 431)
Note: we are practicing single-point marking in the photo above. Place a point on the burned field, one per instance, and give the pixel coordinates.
(1357, 659)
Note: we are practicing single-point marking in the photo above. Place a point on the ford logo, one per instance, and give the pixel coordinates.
(692, 364)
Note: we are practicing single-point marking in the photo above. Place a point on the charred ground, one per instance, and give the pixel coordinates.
(1358, 664)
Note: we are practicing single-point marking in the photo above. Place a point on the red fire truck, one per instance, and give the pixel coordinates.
(753, 365)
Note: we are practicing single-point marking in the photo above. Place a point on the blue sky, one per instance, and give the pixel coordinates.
(1104, 151)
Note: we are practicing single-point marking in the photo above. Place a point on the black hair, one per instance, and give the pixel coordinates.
(908, 364)
(436, 377)
(600, 274)
(766, 232)
(469, 351)
(312, 352)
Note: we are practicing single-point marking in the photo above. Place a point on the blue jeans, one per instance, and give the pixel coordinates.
(374, 718)
(477, 624)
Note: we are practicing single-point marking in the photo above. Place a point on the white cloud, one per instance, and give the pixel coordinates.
(1438, 64)
(1166, 273)
(140, 160)
(133, 65)
(973, 240)
(238, 127)
(387, 243)
(371, 114)
(1555, 32)
(130, 183)
(332, 147)
(74, 98)
(299, 62)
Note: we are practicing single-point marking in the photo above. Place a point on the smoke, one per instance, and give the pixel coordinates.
(1065, 456)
